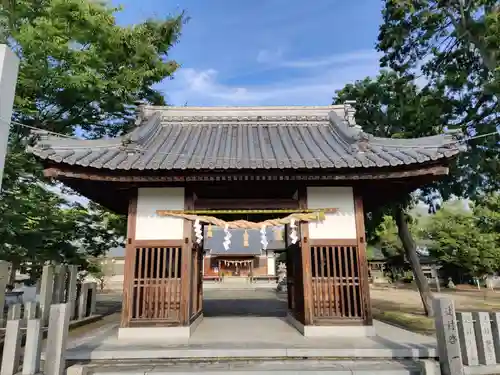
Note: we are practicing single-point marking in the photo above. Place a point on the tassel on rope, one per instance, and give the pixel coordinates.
(263, 239)
(293, 232)
(227, 238)
(245, 238)
(198, 231)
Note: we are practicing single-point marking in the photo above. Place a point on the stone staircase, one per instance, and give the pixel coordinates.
(243, 366)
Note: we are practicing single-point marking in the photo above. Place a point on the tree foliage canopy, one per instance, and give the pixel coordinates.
(444, 74)
(468, 241)
(455, 47)
(80, 73)
(79, 69)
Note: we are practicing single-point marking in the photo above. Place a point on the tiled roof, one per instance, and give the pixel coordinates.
(174, 138)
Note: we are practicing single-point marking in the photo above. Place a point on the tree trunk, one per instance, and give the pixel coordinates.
(12, 276)
(410, 249)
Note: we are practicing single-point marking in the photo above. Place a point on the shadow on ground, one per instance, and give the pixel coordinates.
(108, 304)
(224, 303)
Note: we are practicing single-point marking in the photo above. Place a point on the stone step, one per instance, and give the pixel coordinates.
(256, 367)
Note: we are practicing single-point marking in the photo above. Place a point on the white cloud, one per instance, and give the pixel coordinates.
(304, 87)
(276, 57)
(265, 56)
(353, 57)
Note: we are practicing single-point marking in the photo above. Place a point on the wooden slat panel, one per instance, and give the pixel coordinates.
(336, 282)
(156, 284)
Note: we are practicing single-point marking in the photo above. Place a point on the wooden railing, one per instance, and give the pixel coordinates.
(336, 287)
(156, 285)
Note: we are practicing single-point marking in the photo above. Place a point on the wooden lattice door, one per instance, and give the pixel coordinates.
(295, 281)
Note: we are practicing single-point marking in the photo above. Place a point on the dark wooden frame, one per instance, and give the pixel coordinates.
(173, 176)
(304, 296)
(129, 261)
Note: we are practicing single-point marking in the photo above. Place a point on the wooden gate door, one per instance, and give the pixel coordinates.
(196, 300)
(295, 282)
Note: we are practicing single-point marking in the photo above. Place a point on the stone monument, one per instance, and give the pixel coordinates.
(9, 66)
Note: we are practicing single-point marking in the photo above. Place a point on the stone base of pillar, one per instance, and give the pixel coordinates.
(159, 333)
(331, 331)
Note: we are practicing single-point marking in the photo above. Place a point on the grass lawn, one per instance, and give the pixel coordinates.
(413, 322)
(403, 307)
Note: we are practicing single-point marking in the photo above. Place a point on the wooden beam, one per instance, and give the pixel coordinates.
(363, 262)
(262, 175)
(229, 203)
(128, 287)
(305, 250)
(186, 269)
(333, 242)
(158, 243)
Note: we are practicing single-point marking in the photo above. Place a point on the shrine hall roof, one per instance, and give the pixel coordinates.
(237, 247)
(180, 138)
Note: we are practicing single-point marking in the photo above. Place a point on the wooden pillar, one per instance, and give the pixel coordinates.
(128, 276)
(363, 262)
(251, 270)
(186, 269)
(305, 251)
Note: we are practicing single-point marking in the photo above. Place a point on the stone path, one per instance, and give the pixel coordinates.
(250, 324)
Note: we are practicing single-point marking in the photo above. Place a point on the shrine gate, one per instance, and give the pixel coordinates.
(183, 168)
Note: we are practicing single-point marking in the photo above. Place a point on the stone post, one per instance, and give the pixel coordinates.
(30, 310)
(46, 292)
(435, 274)
(448, 342)
(467, 339)
(93, 298)
(4, 278)
(495, 332)
(484, 338)
(59, 284)
(72, 283)
(82, 300)
(9, 66)
(55, 354)
(12, 342)
(32, 348)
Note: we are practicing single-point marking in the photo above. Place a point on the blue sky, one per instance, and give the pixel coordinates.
(265, 52)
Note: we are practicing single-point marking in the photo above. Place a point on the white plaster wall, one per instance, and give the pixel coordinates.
(339, 225)
(9, 64)
(271, 266)
(149, 226)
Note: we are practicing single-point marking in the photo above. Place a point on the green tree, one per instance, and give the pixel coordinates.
(387, 237)
(486, 209)
(455, 46)
(458, 240)
(79, 69)
(82, 73)
(393, 106)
